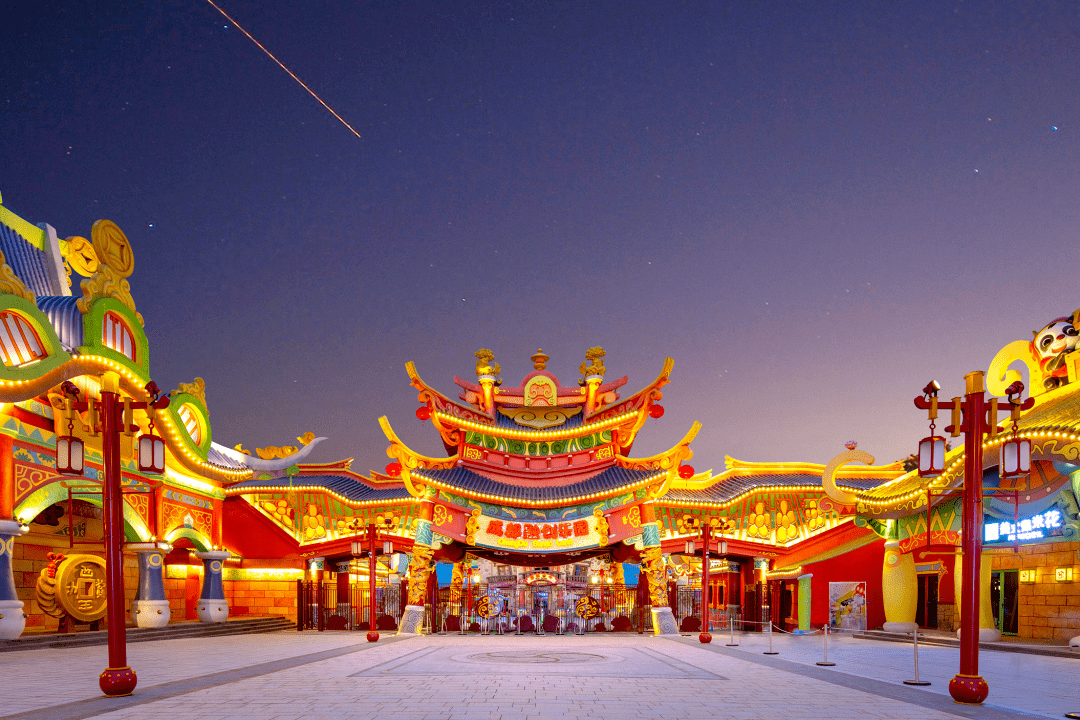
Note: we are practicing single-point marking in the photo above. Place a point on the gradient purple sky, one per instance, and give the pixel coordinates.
(813, 207)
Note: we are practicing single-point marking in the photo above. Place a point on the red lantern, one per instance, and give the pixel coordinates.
(393, 469)
(1015, 457)
(423, 413)
(931, 456)
(69, 455)
(656, 411)
(151, 454)
(686, 472)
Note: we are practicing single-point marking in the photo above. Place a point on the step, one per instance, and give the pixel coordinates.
(242, 626)
(946, 641)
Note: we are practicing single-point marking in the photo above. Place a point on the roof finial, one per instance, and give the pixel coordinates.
(485, 364)
(594, 362)
(539, 360)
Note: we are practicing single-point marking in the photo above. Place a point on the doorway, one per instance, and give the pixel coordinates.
(1004, 599)
(926, 613)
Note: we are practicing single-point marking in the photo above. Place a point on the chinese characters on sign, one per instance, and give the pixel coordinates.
(537, 536)
(1033, 528)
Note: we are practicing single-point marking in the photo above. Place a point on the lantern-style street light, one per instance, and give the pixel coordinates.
(973, 416)
(110, 417)
(373, 528)
(689, 524)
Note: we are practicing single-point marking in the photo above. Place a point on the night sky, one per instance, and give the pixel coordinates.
(813, 207)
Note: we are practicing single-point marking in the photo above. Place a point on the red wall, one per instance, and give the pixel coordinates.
(862, 565)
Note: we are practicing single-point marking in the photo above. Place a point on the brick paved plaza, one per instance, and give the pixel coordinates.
(338, 675)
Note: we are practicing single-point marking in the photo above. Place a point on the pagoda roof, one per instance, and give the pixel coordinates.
(467, 481)
(742, 478)
(344, 486)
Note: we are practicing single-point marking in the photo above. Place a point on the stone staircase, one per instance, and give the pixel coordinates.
(240, 626)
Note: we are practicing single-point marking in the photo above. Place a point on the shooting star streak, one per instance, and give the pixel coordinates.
(282, 66)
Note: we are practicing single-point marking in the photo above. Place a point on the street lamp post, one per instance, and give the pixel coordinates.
(116, 417)
(690, 524)
(372, 550)
(968, 686)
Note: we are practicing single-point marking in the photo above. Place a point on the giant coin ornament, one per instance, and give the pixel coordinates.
(73, 585)
(488, 607)
(587, 607)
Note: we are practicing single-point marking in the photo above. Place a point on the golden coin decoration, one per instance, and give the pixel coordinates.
(488, 606)
(81, 256)
(80, 587)
(112, 247)
(587, 607)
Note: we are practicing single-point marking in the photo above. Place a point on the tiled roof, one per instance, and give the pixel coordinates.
(66, 318)
(732, 487)
(344, 486)
(462, 478)
(219, 458)
(26, 260)
(503, 421)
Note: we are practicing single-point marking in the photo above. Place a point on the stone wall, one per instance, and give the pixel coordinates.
(1048, 608)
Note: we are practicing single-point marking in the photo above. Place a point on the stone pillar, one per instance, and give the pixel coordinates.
(412, 620)
(150, 609)
(804, 602)
(899, 589)
(988, 632)
(652, 564)
(213, 608)
(12, 617)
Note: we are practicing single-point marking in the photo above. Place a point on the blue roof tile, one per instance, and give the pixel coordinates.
(66, 318)
(26, 260)
(340, 484)
(465, 479)
(734, 486)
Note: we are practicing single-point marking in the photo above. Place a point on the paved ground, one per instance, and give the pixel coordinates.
(338, 675)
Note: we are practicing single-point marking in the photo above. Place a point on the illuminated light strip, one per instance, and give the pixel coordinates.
(319, 488)
(537, 435)
(764, 488)
(540, 503)
(998, 439)
(783, 574)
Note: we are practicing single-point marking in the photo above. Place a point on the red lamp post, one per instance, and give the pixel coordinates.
(968, 686)
(115, 417)
(690, 524)
(372, 551)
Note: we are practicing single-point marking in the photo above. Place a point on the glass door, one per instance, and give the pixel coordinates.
(1004, 599)
(926, 612)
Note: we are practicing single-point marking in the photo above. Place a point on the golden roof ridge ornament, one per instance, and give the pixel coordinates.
(486, 365)
(539, 360)
(593, 365)
(115, 264)
(196, 389)
(10, 284)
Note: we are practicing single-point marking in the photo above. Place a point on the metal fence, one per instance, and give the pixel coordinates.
(320, 608)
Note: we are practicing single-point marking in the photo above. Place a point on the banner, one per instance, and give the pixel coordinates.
(847, 605)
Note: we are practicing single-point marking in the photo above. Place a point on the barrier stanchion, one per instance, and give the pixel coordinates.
(770, 650)
(731, 642)
(825, 642)
(915, 643)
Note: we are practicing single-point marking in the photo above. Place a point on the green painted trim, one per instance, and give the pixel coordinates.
(135, 530)
(30, 232)
(50, 341)
(93, 322)
(201, 542)
(180, 399)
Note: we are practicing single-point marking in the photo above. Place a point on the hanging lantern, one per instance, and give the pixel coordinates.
(393, 469)
(1015, 457)
(931, 456)
(151, 454)
(656, 411)
(686, 472)
(423, 413)
(69, 455)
